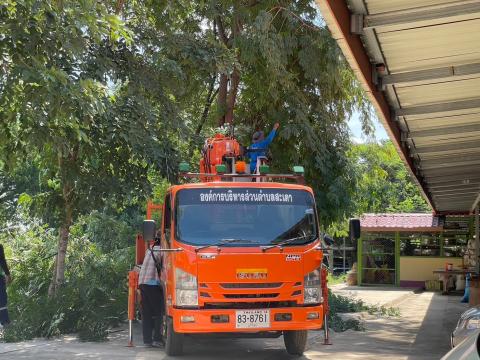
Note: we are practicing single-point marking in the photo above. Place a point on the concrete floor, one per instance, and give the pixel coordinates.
(421, 332)
(373, 295)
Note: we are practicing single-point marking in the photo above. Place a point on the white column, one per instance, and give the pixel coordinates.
(477, 241)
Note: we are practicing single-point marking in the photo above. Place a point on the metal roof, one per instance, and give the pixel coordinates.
(400, 222)
(419, 61)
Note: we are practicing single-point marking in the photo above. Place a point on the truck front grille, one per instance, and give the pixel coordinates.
(250, 296)
(250, 305)
(251, 285)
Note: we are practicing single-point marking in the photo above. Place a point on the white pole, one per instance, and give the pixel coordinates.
(344, 270)
(130, 333)
(477, 241)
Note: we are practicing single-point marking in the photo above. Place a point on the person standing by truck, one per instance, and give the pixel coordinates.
(5, 279)
(260, 146)
(149, 283)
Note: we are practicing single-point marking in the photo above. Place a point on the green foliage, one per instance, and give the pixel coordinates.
(99, 101)
(383, 183)
(87, 112)
(336, 279)
(93, 298)
(342, 304)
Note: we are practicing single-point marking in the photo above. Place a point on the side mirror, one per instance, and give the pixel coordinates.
(354, 229)
(148, 230)
(328, 240)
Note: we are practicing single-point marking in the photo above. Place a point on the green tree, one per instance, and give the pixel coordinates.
(83, 105)
(383, 182)
(259, 62)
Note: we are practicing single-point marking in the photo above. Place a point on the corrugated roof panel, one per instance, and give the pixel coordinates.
(400, 221)
(462, 112)
(443, 137)
(441, 121)
(447, 138)
(380, 6)
(438, 92)
(425, 48)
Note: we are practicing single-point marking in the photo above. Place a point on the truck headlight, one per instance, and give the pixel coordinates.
(312, 289)
(186, 290)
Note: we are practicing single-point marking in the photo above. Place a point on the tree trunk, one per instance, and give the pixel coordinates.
(59, 270)
(232, 96)
(222, 99)
(68, 196)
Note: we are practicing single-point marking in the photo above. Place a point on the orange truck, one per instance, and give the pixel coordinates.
(241, 254)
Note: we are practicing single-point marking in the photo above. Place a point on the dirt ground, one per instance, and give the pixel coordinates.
(420, 332)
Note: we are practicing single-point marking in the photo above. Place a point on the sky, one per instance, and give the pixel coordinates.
(356, 129)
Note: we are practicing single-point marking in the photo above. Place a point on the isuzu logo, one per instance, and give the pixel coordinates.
(252, 274)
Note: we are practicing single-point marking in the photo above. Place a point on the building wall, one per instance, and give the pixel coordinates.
(412, 270)
(418, 269)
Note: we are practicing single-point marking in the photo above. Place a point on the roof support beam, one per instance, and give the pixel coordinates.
(467, 195)
(451, 204)
(442, 160)
(475, 208)
(453, 184)
(431, 74)
(440, 179)
(411, 17)
(448, 165)
(465, 145)
(455, 190)
(443, 131)
(437, 108)
(461, 170)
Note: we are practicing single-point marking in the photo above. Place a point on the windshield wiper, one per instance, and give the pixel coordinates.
(281, 244)
(224, 242)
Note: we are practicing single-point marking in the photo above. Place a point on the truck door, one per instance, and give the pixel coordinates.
(166, 236)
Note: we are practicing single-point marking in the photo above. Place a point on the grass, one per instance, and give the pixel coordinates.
(336, 279)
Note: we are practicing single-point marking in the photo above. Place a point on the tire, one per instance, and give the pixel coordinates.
(295, 341)
(173, 340)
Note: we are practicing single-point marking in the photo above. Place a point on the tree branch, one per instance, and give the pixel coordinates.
(208, 103)
(222, 98)
(221, 30)
(232, 96)
(303, 22)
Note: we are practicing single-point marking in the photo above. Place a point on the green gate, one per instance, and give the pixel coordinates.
(378, 265)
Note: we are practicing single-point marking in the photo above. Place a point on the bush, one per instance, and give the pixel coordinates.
(93, 298)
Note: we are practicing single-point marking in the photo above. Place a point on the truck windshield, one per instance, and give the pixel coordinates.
(261, 216)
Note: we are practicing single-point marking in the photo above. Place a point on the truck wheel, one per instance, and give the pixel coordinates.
(295, 341)
(173, 340)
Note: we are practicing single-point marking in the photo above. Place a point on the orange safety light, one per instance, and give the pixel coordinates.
(240, 167)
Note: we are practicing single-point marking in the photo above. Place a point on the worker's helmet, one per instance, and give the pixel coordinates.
(258, 136)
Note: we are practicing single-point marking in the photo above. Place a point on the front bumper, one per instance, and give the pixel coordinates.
(203, 320)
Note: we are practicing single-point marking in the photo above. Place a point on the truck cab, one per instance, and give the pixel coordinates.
(241, 258)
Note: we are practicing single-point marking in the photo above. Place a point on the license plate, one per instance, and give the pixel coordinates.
(250, 319)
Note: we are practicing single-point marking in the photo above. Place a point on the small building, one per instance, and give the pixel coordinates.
(405, 249)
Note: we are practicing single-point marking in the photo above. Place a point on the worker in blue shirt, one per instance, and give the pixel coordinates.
(261, 143)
